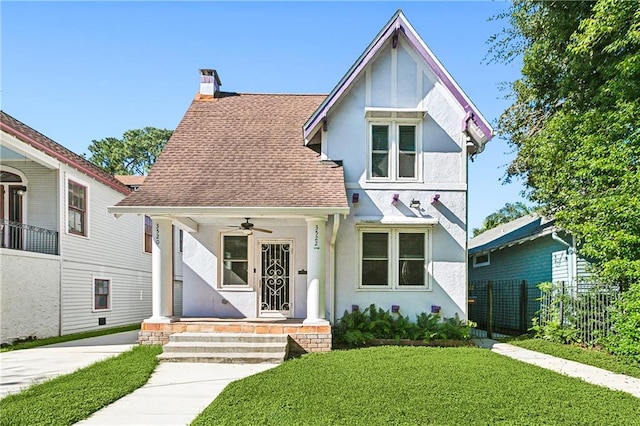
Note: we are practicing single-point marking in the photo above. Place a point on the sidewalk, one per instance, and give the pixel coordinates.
(175, 394)
(594, 375)
(23, 368)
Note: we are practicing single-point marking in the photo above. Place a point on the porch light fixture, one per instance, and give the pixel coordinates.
(22, 190)
(435, 199)
(415, 204)
(355, 197)
(395, 308)
(395, 199)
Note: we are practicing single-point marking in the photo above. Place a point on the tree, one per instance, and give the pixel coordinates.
(134, 154)
(575, 121)
(509, 212)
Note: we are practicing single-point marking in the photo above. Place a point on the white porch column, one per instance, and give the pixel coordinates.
(316, 248)
(162, 269)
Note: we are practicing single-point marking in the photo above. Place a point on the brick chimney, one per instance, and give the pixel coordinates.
(209, 83)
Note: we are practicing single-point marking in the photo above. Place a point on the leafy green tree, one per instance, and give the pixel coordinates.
(575, 121)
(509, 212)
(133, 154)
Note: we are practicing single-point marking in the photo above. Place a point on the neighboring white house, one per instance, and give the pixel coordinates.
(301, 206)
(67, 265)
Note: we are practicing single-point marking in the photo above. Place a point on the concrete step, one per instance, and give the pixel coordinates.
(227, 347)
(228, 337)
(224, 358)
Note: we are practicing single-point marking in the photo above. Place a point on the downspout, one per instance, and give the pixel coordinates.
(571, 254)
(332, 268)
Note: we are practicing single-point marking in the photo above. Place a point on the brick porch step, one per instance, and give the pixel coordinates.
(225, 348)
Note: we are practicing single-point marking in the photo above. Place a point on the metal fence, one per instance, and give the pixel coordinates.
(503, 306)
(20, 236)
(582, 310)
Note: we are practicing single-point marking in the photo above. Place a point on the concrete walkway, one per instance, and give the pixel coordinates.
(23, 368)
(594, 375)
(175, 394)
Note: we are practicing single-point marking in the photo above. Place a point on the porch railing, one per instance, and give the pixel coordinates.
(20, 236)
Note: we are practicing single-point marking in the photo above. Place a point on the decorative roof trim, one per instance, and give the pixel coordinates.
(400, 23)
(65, 159)
(484, 249)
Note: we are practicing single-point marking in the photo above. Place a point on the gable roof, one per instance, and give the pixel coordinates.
(42, 143)
(130, 180)
(242, 150)
(476, 125)
(525, 228)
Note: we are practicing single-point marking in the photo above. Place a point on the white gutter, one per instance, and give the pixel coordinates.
(332, 268)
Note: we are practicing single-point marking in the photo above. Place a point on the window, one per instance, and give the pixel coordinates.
(101, 294)
(393, 151)
(77, 211)
(181, 237)
(148, 239)
(394, 258)
(481, 260)
(235, 268)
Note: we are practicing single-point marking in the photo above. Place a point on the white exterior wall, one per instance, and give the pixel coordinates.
(29, 295)
(113, 249)
(398, 79)
(203, 297)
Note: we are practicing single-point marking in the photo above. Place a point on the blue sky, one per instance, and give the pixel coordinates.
(80, 71)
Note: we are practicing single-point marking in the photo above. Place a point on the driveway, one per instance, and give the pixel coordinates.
(22, 368)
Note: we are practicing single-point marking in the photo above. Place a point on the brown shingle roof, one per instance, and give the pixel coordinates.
(130, 180)
(50, 147)
(242, 150)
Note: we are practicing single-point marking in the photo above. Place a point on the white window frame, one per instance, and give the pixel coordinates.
(87, 206)
(394, 257)
(250, 263)
(394, 124)
(93, 294)
(477, 264)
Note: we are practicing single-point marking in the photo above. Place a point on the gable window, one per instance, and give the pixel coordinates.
(393, 151)
(481, 260)
(235, 262)
(101, 294)
(148, 239)
(77, 208)
(394, 258)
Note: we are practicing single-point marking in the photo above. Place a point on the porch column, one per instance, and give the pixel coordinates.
(162, 269)
(316, 247)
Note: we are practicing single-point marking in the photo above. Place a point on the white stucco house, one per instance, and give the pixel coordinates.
(298, 207)
(66, 265)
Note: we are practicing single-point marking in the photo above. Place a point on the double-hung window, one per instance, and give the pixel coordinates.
(148, 234)
(77, 208)
(394, 258)
(235, 261)
(101, 294)
(393, 151)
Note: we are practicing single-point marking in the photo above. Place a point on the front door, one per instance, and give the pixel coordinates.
(275, 278)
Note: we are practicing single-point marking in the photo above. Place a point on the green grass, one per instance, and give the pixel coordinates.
(69, 337)
(592, 357)
(416, 386)
(68, 399)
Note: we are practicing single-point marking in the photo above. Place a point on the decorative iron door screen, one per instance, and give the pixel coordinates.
(275, 278)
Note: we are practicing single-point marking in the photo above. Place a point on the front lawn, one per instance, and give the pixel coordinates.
(416, 386)
(68, 399)
(591, 357)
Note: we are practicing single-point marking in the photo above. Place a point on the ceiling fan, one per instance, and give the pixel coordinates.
(248, 227)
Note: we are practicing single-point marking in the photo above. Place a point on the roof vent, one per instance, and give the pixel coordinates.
(209, 83)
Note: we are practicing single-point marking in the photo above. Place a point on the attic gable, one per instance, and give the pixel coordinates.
(396, 31)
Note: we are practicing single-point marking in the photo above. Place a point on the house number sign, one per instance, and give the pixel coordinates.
(157, 233)
(316, 243)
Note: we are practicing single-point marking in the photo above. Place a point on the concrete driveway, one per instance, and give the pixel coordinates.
(20, 369)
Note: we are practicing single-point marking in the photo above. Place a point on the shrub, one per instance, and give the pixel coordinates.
(359, 328)
(625, 336)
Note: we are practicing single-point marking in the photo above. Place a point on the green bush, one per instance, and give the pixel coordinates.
(359, 328)
(625, 337)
